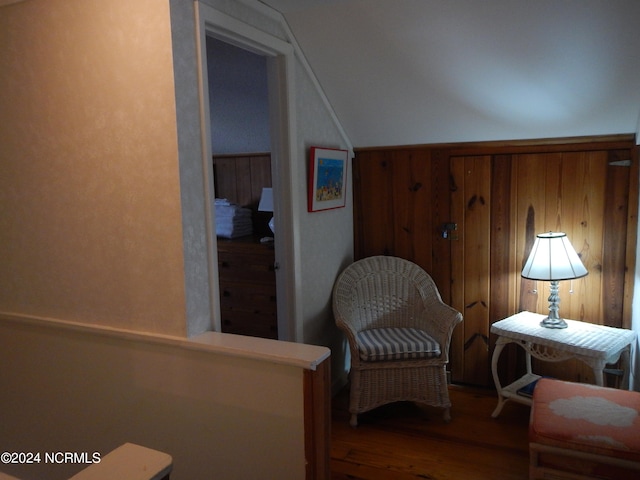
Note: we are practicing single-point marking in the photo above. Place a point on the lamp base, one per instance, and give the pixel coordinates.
(553, 323)
(554, 320)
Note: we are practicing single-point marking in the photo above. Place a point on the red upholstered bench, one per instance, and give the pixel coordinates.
(580, 431)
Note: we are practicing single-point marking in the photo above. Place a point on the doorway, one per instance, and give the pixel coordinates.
(279, 59)
(241, 147)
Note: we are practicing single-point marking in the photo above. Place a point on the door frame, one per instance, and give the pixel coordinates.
(280, 72)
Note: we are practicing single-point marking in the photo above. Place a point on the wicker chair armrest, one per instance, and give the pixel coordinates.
(439, 322)
(350, 332)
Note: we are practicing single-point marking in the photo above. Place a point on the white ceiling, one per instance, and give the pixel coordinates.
(404, 72)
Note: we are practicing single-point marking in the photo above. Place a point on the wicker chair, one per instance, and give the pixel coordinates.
(399, 332)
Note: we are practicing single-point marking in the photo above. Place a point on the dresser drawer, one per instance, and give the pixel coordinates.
(248, 297)
(251, 324)
(249, 310)
(251, 267)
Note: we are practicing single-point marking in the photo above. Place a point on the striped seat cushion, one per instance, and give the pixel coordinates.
(380, 344)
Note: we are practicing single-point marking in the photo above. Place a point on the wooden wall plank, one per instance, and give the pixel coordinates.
(583, 192)
(374, 204)
(471, 208)
(504, 268)
(632, 233)
(402, 192)
(477, 244)
(422, 192)
(240, 178)
(531, 219)
(502, 273)
(457, 352)
(440, 204)
(260, 166)
(616, 212)
(243, 181)
(412, 219)
(548, 168)
(224, 175)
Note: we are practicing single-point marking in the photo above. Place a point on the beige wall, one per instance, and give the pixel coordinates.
(220, 413)
(90, 217)
(102, 204)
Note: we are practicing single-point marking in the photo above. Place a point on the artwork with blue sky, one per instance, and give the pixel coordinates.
(329, 179)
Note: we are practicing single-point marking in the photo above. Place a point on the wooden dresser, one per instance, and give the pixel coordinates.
(247, 287)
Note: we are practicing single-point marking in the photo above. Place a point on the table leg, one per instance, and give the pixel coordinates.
(598, 369)
(625, 365)
(528, 357)
(500, 343)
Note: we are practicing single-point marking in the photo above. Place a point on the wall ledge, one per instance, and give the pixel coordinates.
(300, 355)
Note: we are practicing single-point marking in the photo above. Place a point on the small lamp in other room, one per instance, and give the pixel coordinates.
(553, 258)
(266, 205)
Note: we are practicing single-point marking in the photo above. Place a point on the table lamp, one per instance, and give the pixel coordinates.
(553, 259)
(266, 205)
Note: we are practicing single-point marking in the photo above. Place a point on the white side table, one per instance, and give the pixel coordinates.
(595, 345)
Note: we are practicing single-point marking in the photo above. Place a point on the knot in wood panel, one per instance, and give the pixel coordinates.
(474, 337)
(473, 304)
(473, 200)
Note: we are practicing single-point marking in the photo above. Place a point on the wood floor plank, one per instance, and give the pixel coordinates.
(409, 441)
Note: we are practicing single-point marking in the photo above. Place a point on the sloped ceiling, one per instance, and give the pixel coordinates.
(405, 72)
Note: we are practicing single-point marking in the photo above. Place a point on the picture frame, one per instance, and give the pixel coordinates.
(327, 178)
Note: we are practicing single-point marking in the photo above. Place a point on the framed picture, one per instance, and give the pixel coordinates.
(327, 178)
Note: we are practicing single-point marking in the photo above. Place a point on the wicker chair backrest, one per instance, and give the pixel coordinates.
(383, 291)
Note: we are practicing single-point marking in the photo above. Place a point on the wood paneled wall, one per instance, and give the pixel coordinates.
(500, 195)
(240, 178)
(401, 199)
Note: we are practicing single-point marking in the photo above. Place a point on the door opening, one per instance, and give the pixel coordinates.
(281, 111)
(241, 147)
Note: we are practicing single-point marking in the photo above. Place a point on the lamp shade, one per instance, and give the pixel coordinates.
(266, 200)
(553, 258)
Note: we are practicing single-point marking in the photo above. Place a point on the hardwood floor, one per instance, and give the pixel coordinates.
(405, 441)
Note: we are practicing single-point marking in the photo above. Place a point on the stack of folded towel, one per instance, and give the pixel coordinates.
(232, 220)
